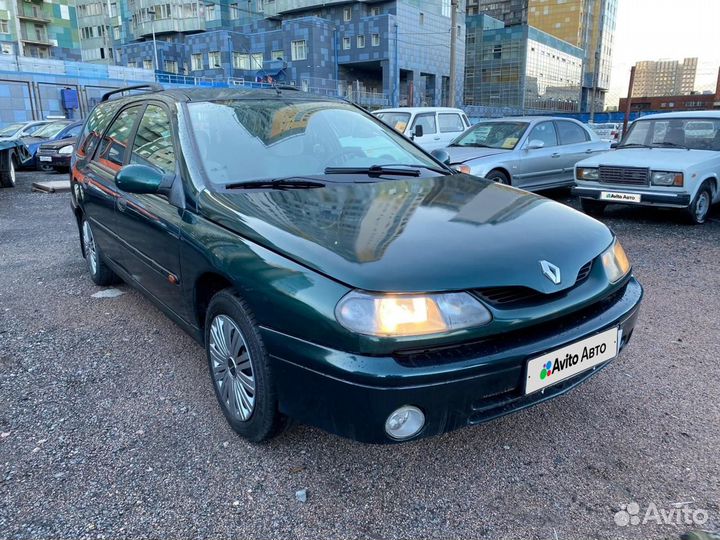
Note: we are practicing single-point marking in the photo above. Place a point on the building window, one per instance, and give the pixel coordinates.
(234, 11)
(241, 61)
(374, 11)
(4, 27)
(299, 50)
(147, 64)
(210, 12)
(346, 43)
(7, 48)
(361, 42)
(113, 9)
(347, 14)
(422, 18)
(116, 32)
(196, 62)
(278, 55)
(256, 60)
(214, 59)
(376, 40)
(171, 66)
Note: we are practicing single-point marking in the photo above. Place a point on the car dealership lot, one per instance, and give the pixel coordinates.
(110, 427)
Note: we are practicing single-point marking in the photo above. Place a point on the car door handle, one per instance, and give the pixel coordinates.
(589, 151)
(122, 204)
(437, 138)
(556, 154)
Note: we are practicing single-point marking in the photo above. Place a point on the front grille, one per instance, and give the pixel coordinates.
(634, 176)
(510, 297)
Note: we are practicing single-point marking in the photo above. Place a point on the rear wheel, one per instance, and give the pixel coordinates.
(99, 271)
(240, 369)
(699, 209)
(592, 207)
(500, 177)
(7, 177)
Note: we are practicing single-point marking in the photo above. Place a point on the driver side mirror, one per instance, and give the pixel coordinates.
(535, 144)
(441, 155)
(417, 132)
(142, 179)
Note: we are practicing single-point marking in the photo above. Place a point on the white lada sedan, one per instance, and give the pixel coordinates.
(670, 160)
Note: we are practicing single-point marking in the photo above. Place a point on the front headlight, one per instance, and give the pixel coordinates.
(616, 262)
(409, 314)
(661, 178)
(65, 150)
(587, 173)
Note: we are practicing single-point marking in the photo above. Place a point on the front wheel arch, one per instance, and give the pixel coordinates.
(501, 171)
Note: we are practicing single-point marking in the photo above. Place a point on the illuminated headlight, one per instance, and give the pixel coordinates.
(660, 178)
(409, 314)
(616, 262)
(587, 173)
(65, 150)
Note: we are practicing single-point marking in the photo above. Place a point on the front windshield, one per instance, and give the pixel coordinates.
(250, 140)
(10, 130)
(396, 120)
(49, 131)
(501, 135)
(692, 133)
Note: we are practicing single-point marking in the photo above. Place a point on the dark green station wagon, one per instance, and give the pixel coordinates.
(337, 274)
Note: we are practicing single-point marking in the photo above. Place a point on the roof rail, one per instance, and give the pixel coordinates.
(150, 87)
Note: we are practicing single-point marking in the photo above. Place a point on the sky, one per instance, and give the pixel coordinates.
(665, 29)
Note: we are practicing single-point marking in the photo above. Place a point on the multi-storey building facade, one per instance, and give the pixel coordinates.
(395, 49)
(39, 28)
(664, 77)
(587, 24)
(520, 67)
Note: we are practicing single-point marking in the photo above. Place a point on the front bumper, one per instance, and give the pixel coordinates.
(56, 160)
(649, 197)
(352, 395)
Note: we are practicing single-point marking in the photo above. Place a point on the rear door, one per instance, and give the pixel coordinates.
(148, 226)
(450, 125)
(539, 166)
(431, 138)
(575, 145)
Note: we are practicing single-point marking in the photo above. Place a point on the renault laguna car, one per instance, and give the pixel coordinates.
(335, 273)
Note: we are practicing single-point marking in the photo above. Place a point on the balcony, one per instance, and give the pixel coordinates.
(287, 6)
(166, 26)
(35, 38)
(28, 11)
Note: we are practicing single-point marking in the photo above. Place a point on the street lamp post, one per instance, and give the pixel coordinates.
(151, 12)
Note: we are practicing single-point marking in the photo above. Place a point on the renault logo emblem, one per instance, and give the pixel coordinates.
(551, 272)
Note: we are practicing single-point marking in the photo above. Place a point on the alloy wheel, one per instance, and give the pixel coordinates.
(89, 246)
(232, 367)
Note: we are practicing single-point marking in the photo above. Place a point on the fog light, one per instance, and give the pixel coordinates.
(405, 422)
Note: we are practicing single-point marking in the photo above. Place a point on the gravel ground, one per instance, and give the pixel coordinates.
(109, 427)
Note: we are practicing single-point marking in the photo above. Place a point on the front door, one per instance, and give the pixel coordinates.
(430, 139)
(148, 225)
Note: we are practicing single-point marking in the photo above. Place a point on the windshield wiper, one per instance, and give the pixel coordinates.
(671, 145)
(277, 183)
(379, 170)
(633, 145)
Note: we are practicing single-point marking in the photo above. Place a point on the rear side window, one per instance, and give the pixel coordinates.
(427, 121)
(95, 125)
(113, 146)
(571, 133)
(450, 122)
(153, 145)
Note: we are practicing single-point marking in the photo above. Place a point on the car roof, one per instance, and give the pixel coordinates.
(420, 109)
(223, 94)
(525, 119)
(681, 114)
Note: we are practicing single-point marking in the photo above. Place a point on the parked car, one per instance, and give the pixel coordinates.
(55, 155)
(379, 299)
(21, 129)
(531, 153)
(430, 127)
(670, 160)
(608, 132)
(55, 131)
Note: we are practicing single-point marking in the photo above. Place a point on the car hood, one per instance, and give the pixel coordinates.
(445, 233)
(670, 159)
(461, 154)
(56, 145)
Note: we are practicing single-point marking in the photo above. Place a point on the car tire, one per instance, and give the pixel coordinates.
(499, 177)
(239, 369)
(7, 177)
(699, 208)
(100, 273)
(592, 207)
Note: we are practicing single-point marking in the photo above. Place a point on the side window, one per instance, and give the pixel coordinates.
(153, 145)
(427, 121)
(545, 132)
(570, 133)
(95, 125)
(73, 132)
(450, 122)
(113, 146)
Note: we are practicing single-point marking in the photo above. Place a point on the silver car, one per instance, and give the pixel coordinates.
(531, 153)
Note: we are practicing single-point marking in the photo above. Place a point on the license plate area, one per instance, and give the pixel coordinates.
(620, 197)
(45, 158)
(571, 360)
